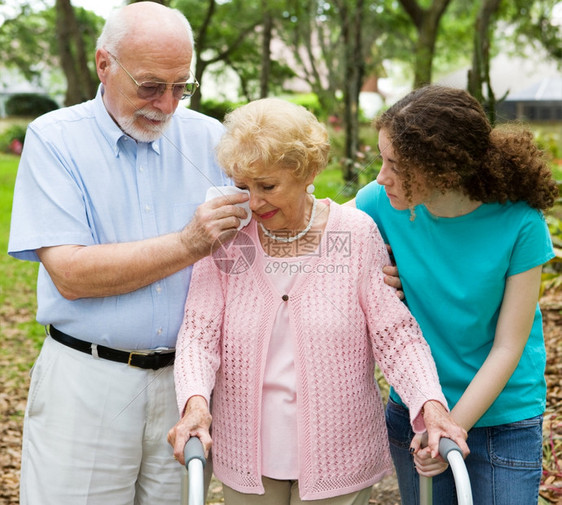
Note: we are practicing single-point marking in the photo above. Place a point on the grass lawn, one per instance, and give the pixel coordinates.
(17, 278)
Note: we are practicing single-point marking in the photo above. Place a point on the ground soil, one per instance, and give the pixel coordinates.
(17, 351)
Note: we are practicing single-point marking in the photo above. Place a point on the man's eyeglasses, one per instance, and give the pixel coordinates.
(149, 90)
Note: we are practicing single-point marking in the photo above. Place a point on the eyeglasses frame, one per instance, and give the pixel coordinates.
(185, 94)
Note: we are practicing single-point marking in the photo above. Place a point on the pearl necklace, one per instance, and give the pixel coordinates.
(288, 240)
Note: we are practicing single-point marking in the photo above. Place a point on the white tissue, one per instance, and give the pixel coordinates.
(216, 191)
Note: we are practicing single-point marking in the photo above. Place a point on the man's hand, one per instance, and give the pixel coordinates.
(214, 223)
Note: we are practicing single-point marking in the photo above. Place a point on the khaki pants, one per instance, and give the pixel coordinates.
(95, 433)
(286, 492)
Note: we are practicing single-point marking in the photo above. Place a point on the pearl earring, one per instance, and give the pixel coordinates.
(310, 189)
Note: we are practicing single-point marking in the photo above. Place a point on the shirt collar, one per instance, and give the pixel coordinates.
(109, 128)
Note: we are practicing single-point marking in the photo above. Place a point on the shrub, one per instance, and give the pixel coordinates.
(217, 109)
(11, 139)
(309, 101)
(29, 105)
(550, 143)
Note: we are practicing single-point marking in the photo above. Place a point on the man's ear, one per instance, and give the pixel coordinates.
(102, 64)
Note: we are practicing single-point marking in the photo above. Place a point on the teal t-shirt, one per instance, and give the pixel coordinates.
(453, 272)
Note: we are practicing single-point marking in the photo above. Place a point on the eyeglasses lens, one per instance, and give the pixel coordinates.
(148, 90)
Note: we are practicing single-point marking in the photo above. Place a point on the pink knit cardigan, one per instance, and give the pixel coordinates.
(343, 318)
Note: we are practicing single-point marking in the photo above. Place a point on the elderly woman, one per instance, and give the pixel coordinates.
(287, 340)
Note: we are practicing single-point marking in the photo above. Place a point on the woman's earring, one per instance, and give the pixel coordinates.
(310, 189)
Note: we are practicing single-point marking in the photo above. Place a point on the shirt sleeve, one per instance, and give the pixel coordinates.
(398, 345)
(48, 207)
(198, 344)
(533, 246)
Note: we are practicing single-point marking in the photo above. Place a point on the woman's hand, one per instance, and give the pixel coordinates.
(195, 422)
(439, 424)
(425, 464)
(425, 446)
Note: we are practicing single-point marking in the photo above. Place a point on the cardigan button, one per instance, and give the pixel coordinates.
(285, 297)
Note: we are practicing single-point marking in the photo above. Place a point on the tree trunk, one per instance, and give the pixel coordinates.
(352, 16)
(80, 85)
(266, 50)
(426, 22)
(479, 74)
(195, 100)
(201, 45)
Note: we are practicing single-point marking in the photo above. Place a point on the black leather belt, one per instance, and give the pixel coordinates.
(142, 359)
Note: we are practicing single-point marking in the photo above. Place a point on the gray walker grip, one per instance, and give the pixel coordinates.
(193, 483)
(451, 453)
(446, 445)
(194, 450)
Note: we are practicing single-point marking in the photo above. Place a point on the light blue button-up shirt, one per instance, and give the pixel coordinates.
(82, 181)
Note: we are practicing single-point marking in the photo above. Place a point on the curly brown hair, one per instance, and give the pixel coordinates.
(443, 134)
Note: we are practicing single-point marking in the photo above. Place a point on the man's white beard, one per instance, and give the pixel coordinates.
(149, 132)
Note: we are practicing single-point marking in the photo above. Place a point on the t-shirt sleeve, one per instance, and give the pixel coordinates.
(533, 246)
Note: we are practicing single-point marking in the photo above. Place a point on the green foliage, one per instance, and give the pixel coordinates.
(330, 184)
(29, 105)
(557, 174)
(17, 278)
(552, 273)
(532, 26)
(309, 101)
(555, 229)
(226, 32)
(367, 164)
(217, 108)
(550, 143)
(14, 132)
(28, 41)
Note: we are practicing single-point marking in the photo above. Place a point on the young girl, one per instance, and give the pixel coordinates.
(461, 205)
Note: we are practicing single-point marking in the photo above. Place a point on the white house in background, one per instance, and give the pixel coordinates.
(541, 101)
(532, 86)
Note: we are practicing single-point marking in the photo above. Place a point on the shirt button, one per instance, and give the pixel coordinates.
(285, 297)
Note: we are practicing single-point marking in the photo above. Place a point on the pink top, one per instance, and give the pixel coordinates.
(342, 317)
(279, 434)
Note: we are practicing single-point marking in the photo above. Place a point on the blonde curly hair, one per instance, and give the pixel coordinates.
(273, 133)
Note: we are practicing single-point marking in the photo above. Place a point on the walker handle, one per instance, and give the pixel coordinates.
(451, 453)
(194, 462)
(446, 445)
(194, 450)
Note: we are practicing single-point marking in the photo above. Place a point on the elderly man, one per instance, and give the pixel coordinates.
(109, 198)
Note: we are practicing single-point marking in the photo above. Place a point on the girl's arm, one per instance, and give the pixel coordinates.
(512, 332)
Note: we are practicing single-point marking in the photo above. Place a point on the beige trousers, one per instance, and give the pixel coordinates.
(95, 433)
(286, 492)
